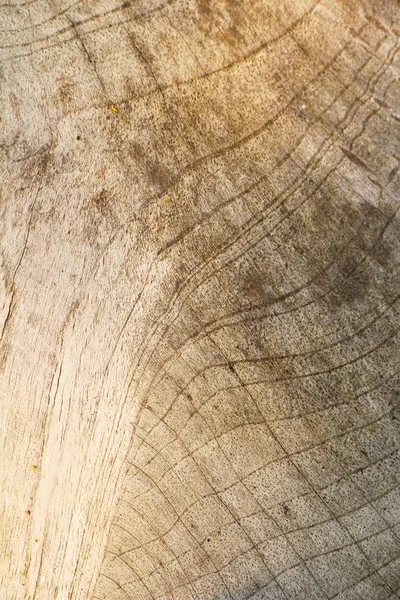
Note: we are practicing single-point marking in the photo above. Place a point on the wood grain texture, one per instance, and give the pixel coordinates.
(199, 279)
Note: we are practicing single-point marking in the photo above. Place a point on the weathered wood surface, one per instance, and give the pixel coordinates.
(200, 247)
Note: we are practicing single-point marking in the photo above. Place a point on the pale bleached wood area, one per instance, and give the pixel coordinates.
(199, 300)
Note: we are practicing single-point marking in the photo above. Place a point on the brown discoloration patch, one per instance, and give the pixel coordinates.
(99, 218)
(347, 235)
(222, 21)
(102, 200)
(159, 177)
(67, 91)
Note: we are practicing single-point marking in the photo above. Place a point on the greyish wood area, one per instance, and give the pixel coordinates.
(199, 309)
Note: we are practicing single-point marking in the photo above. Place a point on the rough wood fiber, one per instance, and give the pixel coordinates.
(200, 247)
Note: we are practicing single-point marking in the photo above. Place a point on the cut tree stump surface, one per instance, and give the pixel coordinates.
(199, 300)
